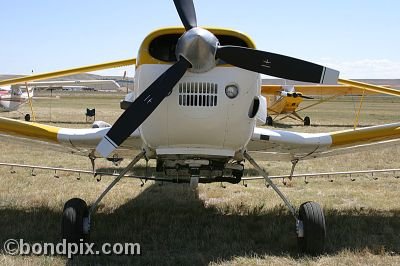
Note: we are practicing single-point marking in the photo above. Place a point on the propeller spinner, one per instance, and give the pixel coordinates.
(197, 51)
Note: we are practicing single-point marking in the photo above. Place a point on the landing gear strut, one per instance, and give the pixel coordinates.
(76, 218)
(269, 121)
(310, 220)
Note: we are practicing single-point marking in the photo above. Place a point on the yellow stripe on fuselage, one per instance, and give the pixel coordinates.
(365, 135)
(26, 129)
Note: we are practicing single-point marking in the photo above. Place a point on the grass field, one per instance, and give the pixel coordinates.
(231, 225)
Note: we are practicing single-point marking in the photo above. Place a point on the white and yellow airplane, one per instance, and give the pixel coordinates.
(197, 98)
(284, 101)
(14, 96)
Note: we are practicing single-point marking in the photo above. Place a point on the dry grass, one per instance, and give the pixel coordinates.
(233, 225)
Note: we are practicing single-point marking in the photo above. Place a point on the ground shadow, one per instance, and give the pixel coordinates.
(174, 227)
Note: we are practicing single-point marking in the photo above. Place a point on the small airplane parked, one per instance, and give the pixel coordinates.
(107, 83)
(197, 96)
(284, 101)
(14, 96)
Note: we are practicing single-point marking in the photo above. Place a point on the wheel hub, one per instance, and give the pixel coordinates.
(299, 228)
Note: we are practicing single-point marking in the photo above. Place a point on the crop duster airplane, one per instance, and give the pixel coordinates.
(197, 98)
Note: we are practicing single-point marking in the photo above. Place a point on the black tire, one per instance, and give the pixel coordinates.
(307, 121)
(72, 224)
(269, 121)
(27, 117)
(313, 219)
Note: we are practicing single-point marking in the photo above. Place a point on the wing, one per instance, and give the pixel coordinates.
(75, 141)
(279, 145)
(348, 87)
(316, 90)
(109, 83)
(67, 72)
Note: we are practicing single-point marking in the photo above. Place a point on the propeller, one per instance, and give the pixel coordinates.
(148, 101)
(142, 107)
(306, 97)
(277, 65)
(198, 49)
(187, 13)
(293, 94)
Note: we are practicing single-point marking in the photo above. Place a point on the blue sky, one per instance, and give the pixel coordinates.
(359, 38)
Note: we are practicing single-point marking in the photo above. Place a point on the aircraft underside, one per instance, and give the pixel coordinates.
(204, 170)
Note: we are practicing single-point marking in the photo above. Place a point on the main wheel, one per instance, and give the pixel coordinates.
(312, 231)
(269, 121)
(307, 121)
(75, 221)
(27, 117)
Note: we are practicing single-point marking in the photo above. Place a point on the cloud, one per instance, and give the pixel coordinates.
(365, 68)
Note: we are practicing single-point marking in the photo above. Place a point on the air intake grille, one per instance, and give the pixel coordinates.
(198, 94)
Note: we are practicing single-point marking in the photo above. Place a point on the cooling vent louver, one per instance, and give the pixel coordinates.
(203, 94)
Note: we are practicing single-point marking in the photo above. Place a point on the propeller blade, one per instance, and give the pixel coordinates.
(277, 65)
(142, 107)
(187, 13)
(306, 97)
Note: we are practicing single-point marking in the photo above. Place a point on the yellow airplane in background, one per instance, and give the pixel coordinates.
(284, 101)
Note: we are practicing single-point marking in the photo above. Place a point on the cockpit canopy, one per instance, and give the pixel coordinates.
(16, 91)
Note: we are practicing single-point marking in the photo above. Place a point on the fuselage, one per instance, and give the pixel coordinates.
(282, 104)
(197, 119)
(11, 98)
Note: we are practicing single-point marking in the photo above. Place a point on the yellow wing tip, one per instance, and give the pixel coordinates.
(29, 129)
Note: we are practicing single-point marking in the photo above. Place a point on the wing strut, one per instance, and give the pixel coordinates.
(359, 111)
(30, 102)
(291, 208)
(116, 180)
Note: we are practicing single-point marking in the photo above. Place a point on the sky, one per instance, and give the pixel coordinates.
(360, 38)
